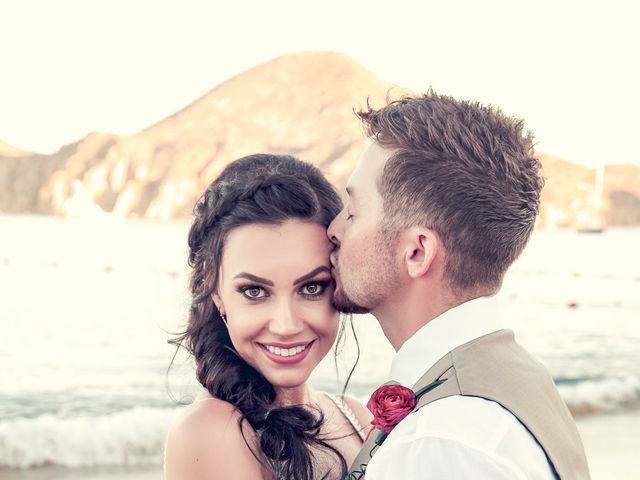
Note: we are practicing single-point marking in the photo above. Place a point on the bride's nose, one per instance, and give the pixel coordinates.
(285, 322)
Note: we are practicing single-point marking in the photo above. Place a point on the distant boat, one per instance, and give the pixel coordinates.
(591, 230)
(592, 219)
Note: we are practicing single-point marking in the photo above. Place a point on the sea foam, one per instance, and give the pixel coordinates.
(136, 436)
(130, 437)
(603, 395)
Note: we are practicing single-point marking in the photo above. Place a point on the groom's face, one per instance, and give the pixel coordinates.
(363, 261)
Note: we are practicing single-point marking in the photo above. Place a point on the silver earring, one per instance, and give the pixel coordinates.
(224, 319)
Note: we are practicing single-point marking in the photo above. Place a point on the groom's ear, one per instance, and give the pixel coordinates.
(421, 246)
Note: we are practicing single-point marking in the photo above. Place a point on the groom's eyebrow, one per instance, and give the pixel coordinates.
(351, 193)
(312, 274)
(254, 278)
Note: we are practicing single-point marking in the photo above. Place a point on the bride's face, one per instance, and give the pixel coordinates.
(275, 288)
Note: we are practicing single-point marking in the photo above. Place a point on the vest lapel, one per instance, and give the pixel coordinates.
(371, 444)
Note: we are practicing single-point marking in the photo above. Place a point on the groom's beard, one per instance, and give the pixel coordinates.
(340, 300)
(343, 303)
(371, 282)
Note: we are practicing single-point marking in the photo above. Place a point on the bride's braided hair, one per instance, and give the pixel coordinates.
(267, 189)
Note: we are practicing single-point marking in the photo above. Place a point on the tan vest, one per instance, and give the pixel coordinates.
(496, 368)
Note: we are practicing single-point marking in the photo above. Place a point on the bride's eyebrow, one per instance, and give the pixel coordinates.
(312, 274)
(254, 278)
(265, 281)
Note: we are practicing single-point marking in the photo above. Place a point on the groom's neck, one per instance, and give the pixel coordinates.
(411, 307)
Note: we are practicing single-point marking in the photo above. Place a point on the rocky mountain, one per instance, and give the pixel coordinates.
(7, 150)
(300, 104)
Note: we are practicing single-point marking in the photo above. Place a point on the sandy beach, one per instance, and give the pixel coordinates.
(612, 443)
(101, 473)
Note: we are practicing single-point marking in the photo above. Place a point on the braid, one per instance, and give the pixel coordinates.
(254, 189)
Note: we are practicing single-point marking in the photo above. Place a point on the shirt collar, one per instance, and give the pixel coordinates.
(456, 326)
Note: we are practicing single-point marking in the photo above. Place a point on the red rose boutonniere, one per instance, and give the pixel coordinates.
(389, 405)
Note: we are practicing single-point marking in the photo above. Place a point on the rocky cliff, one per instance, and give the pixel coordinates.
(572, 199)
(299, 104)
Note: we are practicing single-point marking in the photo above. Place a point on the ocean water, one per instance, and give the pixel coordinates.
(86, 308)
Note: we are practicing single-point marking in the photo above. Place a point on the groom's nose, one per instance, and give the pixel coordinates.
(335, 229)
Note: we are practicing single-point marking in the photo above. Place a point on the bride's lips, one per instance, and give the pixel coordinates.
(291, 359)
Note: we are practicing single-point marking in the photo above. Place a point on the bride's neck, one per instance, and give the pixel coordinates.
(293, 396)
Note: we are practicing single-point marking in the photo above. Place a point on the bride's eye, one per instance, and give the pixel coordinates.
(314, 289)
(252, 292)
(311, 289)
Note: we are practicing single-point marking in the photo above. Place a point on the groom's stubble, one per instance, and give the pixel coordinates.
(366, 275)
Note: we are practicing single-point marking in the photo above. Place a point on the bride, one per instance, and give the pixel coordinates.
(261, 320)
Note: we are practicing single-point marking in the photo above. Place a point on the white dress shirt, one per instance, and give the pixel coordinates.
(455, 437)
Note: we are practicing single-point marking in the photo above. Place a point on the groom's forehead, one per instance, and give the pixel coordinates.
(365, 176)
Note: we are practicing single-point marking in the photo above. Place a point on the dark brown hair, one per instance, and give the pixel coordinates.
(267, 189)
(465, 171)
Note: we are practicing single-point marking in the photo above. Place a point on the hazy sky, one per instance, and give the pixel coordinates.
(569, 68)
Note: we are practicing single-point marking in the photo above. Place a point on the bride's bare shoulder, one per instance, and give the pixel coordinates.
(206, 441)
(204, 414)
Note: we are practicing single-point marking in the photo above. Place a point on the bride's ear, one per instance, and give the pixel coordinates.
(218, 302)
(421, 246)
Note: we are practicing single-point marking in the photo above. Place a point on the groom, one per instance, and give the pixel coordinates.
(440, 205)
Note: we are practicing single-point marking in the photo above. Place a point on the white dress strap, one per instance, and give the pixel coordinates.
(348, 413)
